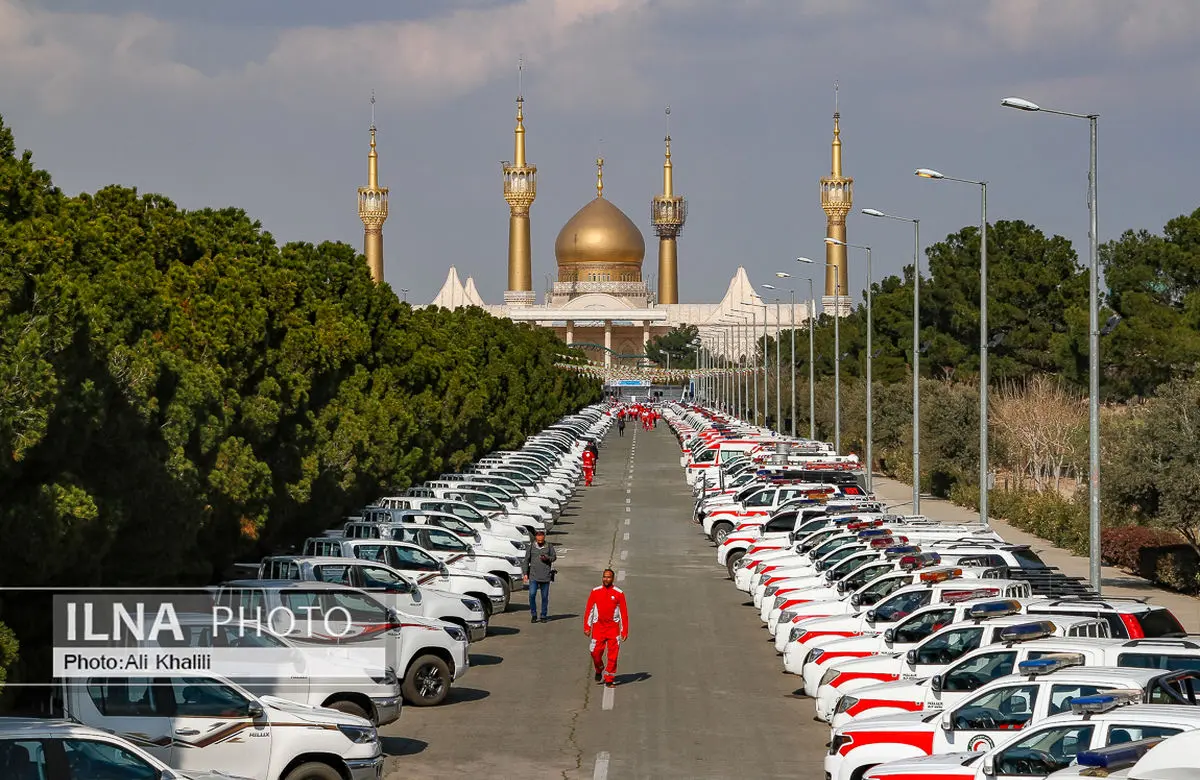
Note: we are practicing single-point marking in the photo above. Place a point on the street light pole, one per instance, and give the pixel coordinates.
(792, 320)
(984, 376)
(812, 307)
(1093, 337)
(870, 356)
(916, 356)
(778, 364)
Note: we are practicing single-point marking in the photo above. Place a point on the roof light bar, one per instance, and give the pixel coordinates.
(993, 609)
(882, 542)
(910, 562)
(858, 525)
(1049, 663)
(1115, 757)
(872, 533)
(1105, 702)
(941, 575)
(956, 597)
(903, 549)
(1027, 631)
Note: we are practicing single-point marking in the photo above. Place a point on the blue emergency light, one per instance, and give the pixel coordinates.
(874, 532)
(1027, 631)
(1103, 702)
(903, 549)
(1116, 756)
(1049, 663)
(993, 609)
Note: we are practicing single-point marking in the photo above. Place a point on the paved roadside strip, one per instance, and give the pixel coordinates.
(1115, 582)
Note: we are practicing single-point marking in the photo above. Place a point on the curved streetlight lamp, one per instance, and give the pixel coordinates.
(812, 308)
(870, 329)
(929, 173)
(1022, 104)
(916, 356)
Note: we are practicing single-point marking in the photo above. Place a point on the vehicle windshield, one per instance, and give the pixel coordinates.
(1159, 623)
(1028, 559)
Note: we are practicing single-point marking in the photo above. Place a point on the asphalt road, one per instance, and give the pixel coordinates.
(701, 693)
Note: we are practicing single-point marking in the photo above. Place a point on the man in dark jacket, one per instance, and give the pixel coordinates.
(538, 568)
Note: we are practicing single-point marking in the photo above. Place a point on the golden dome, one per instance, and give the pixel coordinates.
(600, 234)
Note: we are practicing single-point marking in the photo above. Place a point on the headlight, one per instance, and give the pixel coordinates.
(359, 735)
(472, 604)
(740, 564)
(796, 633)
(518, 545)
(836, 743)
(771, 591)
(813, 655)
(759, 567)
(386, 677)
(845, 703)
(829, 676)
(513, 561)
(787, 617)
(780, 601)
(495, 582)
(456, 633)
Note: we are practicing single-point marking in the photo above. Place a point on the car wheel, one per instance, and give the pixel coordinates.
(350, 708)
(720, 531)
(731, 561)
(314, 771)
(427, 683)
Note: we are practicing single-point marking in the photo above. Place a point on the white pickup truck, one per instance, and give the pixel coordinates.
(203, 722)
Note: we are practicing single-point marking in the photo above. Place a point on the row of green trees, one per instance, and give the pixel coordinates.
(177, 391)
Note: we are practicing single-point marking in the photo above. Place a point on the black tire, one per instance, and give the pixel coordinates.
(314, 771)
(351, 708)
(720, 531)
(732, 559)
(427, 683)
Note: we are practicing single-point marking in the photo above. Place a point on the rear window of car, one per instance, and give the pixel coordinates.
(1028, 559)
(1173, 663)
(1159, 622)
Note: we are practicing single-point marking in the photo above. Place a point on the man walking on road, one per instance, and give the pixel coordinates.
(606, 622)
(538, 568)
(621, 426)
(589, 467)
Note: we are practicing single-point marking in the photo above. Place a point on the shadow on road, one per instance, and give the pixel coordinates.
(635, 677)
(402, 746)
(485, 660)
(569, 616)
(502, 631)
(459, 695)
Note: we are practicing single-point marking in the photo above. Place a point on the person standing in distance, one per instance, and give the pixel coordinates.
(606, 623)
(538, 568)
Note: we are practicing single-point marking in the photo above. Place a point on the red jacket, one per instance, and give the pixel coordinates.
(606, 615)
(589, 460)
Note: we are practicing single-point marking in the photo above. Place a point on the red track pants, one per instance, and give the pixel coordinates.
(587, 476)
(598, 648)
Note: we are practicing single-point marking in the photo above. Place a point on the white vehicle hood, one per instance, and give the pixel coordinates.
(899, 690)
(938, 765)
(205, 775)
(311, 714)
(884, 662)
(900, 720)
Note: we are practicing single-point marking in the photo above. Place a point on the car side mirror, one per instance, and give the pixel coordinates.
(256, 711)
(870, 616)
(856, 600)
(947, 721)
(889, 635)
(444, 569)
(935, 683)
(911, 657)
(989, 765)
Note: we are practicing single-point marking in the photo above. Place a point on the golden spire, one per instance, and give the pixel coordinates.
(373, 208)
(668, 212)
(837, 197)
(836, 168)
(520, 190)
(599, 177)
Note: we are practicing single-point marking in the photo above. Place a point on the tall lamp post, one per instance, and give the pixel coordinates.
(870, 357)
(837, 358)
(916, 356)
(792, 291)
(753, 374)
(778, 365)
(929, 173)
(1093, 335)
(812, 308)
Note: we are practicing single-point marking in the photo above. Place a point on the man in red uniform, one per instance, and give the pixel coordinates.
(589, 467)
(606, 621)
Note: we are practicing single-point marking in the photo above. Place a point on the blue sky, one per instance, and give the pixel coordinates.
(264, 106)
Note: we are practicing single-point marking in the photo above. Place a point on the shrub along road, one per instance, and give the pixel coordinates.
(701, 694)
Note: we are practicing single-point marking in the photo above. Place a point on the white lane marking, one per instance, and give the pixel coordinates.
(624, 554)
(629, 501)
(627, 536)
(610, 698)
(628, 490)
(628, 509)
(621, 576)
(627, 521)
(601, 770)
